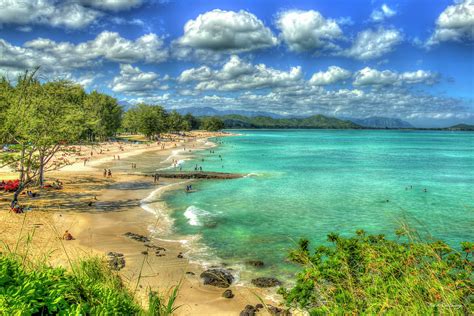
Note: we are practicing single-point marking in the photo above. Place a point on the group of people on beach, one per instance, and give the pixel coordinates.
(189, 188)
(107, 173)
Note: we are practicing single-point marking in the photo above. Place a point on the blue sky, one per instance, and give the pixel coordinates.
(410, 59)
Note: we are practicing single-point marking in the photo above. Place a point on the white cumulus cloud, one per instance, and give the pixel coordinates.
(332, 75)
(67, 14)
(307, 30)
(381, 14)
(455, 23)
(135, 81)
(373, 77)
(371, 44)
(227, 31)
(237, 74)
(63, 56)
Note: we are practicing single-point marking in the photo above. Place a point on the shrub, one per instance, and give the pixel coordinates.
(369, 274)
(91, 289)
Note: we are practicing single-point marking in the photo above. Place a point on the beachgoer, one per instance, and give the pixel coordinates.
(118, 157)
(105, 173)
(109, 173)
(67, 236)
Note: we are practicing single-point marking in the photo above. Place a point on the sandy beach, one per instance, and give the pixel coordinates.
(99, 210)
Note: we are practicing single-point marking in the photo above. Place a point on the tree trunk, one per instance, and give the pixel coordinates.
(41, 170)
(22, 164)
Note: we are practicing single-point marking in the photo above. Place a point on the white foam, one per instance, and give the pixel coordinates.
(253, 174)
(194, 215)
(151, 204)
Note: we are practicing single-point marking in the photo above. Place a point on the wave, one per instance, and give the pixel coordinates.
(195, 215)
(152, 204)
(179, 163)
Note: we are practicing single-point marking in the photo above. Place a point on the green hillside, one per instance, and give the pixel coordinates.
(315, 121)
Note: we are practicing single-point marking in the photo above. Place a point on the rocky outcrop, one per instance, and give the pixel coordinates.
(136, 237)
(197, 175)
(251, 310)
(266, 282)
(217, 277)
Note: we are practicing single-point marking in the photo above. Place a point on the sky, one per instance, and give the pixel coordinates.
(407, 59)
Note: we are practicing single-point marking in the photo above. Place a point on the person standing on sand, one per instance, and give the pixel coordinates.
(105, 173)
(109, 173)
(118, 157)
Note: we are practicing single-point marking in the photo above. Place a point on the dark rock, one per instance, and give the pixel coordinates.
(249, 310)
(190, 273)
(255, 263)
(180, 255)
(217, 277)
(228, 294)
(266, 282)
(144, 252)
(136, 237)
(259, 306)
(278, 311)
(115, 260)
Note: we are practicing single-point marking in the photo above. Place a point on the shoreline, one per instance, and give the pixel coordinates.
(118, 211)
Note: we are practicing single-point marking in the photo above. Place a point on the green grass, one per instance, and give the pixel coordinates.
(89, 288)
(369, 274)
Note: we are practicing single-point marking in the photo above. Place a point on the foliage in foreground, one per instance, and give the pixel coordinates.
(368, 274)
(90, 289)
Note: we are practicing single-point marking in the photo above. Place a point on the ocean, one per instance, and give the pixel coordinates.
(308, 183)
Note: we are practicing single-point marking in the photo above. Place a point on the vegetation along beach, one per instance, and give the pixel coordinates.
(236, 158)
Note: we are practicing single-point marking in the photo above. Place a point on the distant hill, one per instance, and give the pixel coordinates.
(315, 121)
(208, 111)
(460, 127)
(382, 122)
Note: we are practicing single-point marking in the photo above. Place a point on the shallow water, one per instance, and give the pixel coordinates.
(308, 183)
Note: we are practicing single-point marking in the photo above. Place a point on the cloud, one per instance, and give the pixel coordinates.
(455, 23)
(54, 56)
(307, 30)
(370, 44)
(332, 75)
(227, 31)
(237, 74)
(373, 77)
(67, 14)
(378, 15)
(113, 5)
(72, 14)
(132, 80)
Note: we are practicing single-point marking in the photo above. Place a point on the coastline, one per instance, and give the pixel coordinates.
(120, 208)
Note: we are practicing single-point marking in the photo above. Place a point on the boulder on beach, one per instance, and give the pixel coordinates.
(249, 310)
(228, 294)
(217, 277)
(266, 282)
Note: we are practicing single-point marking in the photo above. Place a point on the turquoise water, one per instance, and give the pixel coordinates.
(308, 183)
